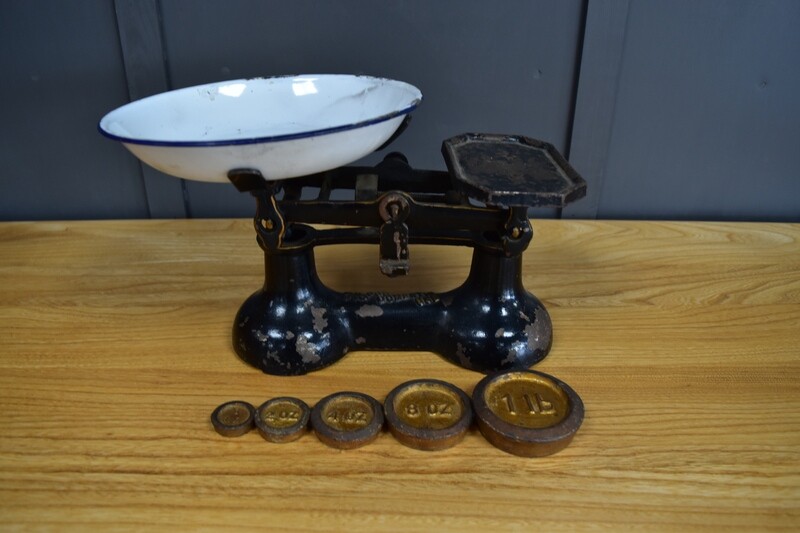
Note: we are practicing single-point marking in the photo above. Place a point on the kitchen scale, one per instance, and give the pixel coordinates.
(288, 142)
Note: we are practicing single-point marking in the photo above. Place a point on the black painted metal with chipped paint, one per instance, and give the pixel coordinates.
(295, 324)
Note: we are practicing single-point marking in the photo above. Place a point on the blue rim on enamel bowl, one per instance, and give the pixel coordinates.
(413, 104)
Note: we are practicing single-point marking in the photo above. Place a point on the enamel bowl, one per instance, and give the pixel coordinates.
(284, 127)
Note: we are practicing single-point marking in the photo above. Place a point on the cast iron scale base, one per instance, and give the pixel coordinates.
(295, 324)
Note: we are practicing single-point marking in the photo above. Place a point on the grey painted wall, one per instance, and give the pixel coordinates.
(706, 120)
(60, 71)
(669, 109)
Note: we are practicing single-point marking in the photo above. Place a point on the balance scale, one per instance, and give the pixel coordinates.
(280, 139)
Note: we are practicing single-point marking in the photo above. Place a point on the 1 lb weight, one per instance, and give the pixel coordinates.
(527, 413)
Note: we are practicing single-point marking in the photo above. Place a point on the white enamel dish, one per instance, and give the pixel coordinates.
(284, 127)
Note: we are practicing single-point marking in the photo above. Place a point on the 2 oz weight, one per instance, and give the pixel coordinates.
(282, 419)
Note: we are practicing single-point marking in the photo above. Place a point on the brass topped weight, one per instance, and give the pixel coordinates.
(527, 413)
(428, 414)
(282, 419)
(233, 419)
(347, 420)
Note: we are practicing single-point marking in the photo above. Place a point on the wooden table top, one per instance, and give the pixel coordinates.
(683, 339)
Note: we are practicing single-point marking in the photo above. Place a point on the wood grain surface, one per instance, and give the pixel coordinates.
(683, 340)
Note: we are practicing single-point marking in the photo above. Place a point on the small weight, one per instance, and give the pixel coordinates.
(428, 414)
(527, 413)
(282, 419)
(347, 420)
(233, 419)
